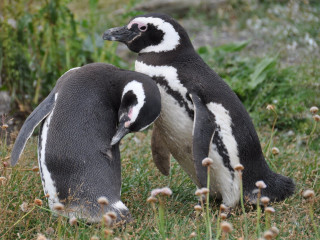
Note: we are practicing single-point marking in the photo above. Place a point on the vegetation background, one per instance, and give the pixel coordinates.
(267, 51)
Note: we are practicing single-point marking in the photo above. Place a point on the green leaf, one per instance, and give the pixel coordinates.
(261, 71)
(203, 50)
(233, 47)
(93, 4)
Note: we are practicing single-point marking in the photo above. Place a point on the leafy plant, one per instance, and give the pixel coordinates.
(40, 41)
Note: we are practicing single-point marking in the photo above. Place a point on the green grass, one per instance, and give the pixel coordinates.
(140, 177)
(260, 76)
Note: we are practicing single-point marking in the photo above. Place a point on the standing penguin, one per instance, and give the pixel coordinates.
(201, 116)
(78, 149)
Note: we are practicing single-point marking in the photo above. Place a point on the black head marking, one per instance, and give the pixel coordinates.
(152, 36)
(153, 32)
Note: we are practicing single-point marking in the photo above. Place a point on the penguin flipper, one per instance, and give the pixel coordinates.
(36, 117)
(203, 130)
(160, 152)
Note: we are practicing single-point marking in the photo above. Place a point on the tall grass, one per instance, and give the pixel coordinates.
(41, 40)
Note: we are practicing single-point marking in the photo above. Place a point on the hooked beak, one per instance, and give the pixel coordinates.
(121, 132)
(121, 34)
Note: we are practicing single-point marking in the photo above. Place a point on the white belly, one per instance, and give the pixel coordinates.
(176, 130)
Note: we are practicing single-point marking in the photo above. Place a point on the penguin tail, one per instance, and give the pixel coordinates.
(278, 187)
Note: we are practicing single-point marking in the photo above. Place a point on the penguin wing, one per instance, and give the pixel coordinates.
(203, 130)
(40, 113)
(160, 152)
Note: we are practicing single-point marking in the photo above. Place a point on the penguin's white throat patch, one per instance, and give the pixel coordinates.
(171, 38)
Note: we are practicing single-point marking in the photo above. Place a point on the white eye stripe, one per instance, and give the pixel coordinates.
(137, 89)
(171, 38)
(140, 25)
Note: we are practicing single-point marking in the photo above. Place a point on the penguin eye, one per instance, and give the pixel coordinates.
(143, 28)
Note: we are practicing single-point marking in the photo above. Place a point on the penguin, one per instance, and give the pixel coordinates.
(87, 113)
(201, 116)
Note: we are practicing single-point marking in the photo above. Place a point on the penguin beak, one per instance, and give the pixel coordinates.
(121, 132)
(121, 34)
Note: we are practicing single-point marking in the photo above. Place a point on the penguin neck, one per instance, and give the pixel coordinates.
(184, 52)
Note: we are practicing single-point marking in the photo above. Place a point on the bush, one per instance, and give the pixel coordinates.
(40, 41)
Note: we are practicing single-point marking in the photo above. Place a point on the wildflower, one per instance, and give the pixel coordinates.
(35, 169)
(238, 167)
(166, 191)
(108, 232)
(269, 210)
(163, 191)
(47, 195)
(3, 180)
(270, 107)
(207, 162)
(268, 235)
(58, 206)
(198, 192)
(73, 221)
(275, 151)
(38, 202)
(4, 126)
(192, 235)
(41, 237)
(24, 207)
(261, 184)
(308, 194)
(265, 200)
(103, 201)
(274, 230)
(226, 227)
(314, 109)
(155, 192)
(112, 215)
(223, 208)
(316, 117)
(204, 191)
(223, 216)
(151, 199)
(197, 208)
(107, 220)
(5, 164)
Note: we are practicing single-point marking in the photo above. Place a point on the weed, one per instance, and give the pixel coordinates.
(42, 40)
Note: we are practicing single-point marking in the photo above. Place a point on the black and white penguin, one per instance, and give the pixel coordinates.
(82, 121)
(201, 116)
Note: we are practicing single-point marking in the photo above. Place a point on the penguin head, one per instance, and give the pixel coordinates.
(140, 106)
(153, 32)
